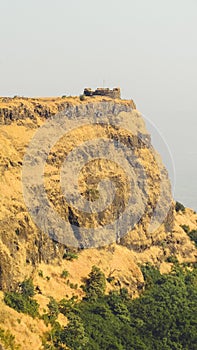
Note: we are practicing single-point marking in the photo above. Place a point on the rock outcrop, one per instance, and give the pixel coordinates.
(23, 245)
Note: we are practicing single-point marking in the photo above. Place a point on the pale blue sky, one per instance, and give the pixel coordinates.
(148, 48)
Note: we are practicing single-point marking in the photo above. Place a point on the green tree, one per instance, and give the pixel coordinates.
(53, 310)
(74, 334)
(118, 306)
(95, 284)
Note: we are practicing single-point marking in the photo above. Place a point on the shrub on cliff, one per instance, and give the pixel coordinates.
(8, 340)
(21, 304)
(27, 288)
(193, 236)
(22, 301)
(179, 207)
(70, 256)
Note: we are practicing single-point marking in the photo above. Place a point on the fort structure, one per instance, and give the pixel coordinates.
(112, 93)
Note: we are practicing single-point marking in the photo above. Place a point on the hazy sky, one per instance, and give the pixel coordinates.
(147, 47)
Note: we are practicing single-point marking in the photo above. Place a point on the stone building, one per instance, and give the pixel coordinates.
(112, 93)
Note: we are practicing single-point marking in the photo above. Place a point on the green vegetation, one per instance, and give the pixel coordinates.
(185, 228)
(73, 285)
(40, 273)
(22, 300)
(179, 207)
(53, 312)
(70, 256)
(27, 288)
(64, 274)
(74, 334)
(8, 340)
(95, 284)
(164, 317)
(67, 305)
(193, 236)
(17, 231)
(172, 259)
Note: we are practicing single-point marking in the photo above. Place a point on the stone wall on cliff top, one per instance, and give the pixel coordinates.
(112, 93)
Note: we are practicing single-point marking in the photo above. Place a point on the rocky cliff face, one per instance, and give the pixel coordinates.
(151, 235)
(74, 175)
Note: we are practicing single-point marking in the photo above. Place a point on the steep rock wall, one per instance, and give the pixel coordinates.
(22, 244)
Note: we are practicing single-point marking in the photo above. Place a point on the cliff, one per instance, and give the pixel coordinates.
(155, 232)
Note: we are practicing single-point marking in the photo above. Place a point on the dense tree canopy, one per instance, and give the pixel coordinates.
(163, 318)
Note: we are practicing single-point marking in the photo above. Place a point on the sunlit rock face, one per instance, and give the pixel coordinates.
(80, 174)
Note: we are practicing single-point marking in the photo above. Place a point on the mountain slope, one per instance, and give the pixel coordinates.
(26, 251)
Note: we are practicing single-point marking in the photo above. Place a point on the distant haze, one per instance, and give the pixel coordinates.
(148, 48)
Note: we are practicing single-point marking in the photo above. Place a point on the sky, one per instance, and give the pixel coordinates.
(148, 48)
